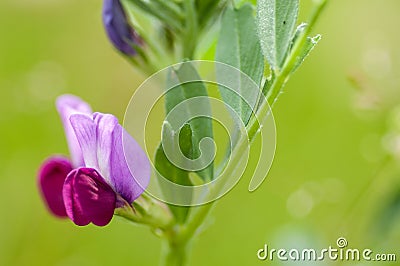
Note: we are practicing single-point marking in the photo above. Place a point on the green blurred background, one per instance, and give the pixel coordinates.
(336, 171)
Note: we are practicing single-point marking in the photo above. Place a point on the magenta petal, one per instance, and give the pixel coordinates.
(68, 105)
(88, 198)
(52, 175)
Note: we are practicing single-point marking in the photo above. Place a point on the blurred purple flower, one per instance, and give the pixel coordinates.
(97, 179)
(118, 29)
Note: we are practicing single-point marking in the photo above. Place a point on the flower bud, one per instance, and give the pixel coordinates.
(119, 31)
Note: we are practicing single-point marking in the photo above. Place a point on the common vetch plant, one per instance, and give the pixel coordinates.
(108, 171)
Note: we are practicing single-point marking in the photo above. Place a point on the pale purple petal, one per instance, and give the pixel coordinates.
(101, 142)
(105, 124)
(129, 181)
(86, 133)
(68, 105)
(88, 198)
(52, 175)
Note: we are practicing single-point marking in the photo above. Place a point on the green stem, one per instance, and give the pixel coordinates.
(146, 210)
(149, 7)
(174, 253)
(191, 30)
(171, 7)
(201, 212)
(282, 76)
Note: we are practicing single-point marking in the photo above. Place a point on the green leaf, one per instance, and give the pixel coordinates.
(207, 9)
(191, 86)
(239, 46)
(166, 12)
(238, 43)
(185, 83)
(309, 45)
(276, 20)
(173, 173)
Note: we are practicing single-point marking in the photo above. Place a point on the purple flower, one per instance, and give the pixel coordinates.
(97, 179)
(118, 29)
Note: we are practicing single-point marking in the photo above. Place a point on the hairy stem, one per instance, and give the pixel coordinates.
(281, 77)
(146, 210)
(200, 213)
